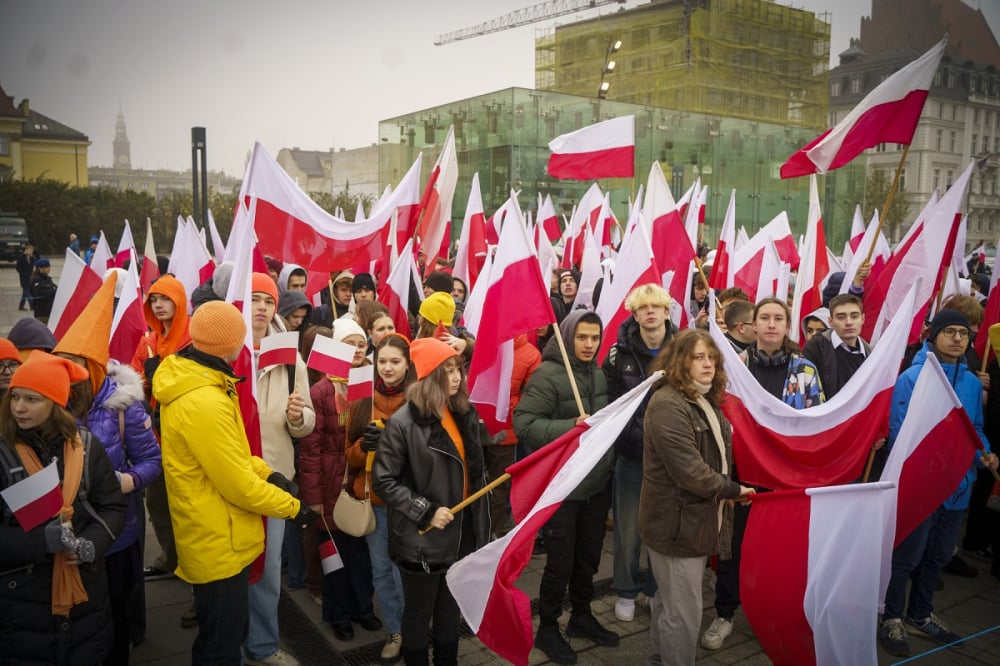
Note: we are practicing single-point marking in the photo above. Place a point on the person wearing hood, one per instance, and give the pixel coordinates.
(815, 323)
(575, 532)
(28, 333)
(111, 404)
(218, 490)
(292, 278)
(922, 555)
(340, 288)
(295, 309)
(641, 339)
(165, 310)
(286, 412)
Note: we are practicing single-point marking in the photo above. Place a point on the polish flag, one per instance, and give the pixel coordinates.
(129, 323)
(548, 220)
(330, 558)
(476, 299)
(331, 357)
(394, 291)
(436, 218)
(150, 268)
(218, 247)
(291, 227)
(514, 278)
(925, 253)
(808, 573)
(591, 271)
(813, 269)
(722, 268)
(279, 349)
(125, 247)
(888, 114)
(854, 241)
(102, 259)
(991, 316)
(190, 261)
(880, 257)
(603, 150)
(470, 254)
(635, 266)
(360, 382)
(587, 211)
(77, 286)
(747, 261)
(483, 582)
(777, 446)
(35, 499)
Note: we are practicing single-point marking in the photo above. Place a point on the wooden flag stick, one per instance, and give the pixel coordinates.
(569, 369)
(868, 465)
(888, 202)
(503, 478)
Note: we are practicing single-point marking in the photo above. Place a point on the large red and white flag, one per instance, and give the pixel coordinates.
(291, 227)
(102, 259)
(470, 254)
(483, 582)
(749, 259)
(722, 268)
(77, 285)
(888, 114)
(125, 247)
(436, 218)
(814, 267)
(920, 259)
(394, 291)
(548, 220)
(190, 261)
(514, 278)
(331, 357)
(128, 324)
(880, 256)
(602, 150)
(279, 349)
(218, 247)
(587, 212)
(777, 446)
(808, 573)
(590, 272)
(35, 499)
(150, 269)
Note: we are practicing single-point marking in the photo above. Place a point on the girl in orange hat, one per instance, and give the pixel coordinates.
(54, 606)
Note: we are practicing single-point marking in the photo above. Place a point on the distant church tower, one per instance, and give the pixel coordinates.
(122, 150)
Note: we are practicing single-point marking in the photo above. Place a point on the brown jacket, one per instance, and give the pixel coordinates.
(682, 483)
(385, 406)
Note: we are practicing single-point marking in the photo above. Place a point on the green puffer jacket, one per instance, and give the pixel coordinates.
(548, 410)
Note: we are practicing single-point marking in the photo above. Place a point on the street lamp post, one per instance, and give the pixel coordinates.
(609, 66)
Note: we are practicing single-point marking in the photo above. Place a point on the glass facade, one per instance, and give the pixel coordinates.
(503, 136)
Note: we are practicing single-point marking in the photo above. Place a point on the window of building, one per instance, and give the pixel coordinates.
(951, 144)
(986, 145)
(856, 85)
(950, 79)
(4, 144)
(949, 176)
(937, 139)
(954, 111)
(936, 180)
(938, 77)
(900, 146)
(975, 116)
(834, 88)
(880, 148)
(996, 144)
(972, 146)
(902, 180)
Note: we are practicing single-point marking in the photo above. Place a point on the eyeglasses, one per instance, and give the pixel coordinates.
(9, 368)
(956, 332)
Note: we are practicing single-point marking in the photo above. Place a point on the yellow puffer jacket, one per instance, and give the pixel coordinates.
(217, 490)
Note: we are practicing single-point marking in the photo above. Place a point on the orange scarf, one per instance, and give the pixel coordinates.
(67, 586)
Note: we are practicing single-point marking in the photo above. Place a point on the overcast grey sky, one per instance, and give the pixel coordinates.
(309, 73)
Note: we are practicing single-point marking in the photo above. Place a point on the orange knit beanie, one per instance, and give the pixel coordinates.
(427, 354)
(218, 329)
(49, 375)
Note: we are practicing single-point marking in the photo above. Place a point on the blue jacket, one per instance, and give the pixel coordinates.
(139, 455)
(970, 392)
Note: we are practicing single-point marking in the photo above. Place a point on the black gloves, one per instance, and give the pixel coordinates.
(371, 436)
(278, 479)
(305, 516)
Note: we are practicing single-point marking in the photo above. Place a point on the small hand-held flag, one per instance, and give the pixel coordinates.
(35, 499)
(331, 357)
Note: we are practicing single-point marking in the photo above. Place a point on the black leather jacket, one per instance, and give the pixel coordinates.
(418, 469)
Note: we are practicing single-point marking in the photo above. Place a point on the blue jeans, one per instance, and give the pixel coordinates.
(385, 575)
(625, 507)
(920, 558)
(262, 637)
(221, 608)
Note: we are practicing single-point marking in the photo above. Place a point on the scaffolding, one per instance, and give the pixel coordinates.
(750, 59)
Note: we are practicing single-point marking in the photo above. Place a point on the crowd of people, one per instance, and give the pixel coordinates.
(165, 436)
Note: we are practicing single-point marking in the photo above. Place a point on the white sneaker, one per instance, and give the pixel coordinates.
(716, 634)
(391, 650)
(279, 658)
(625, 609)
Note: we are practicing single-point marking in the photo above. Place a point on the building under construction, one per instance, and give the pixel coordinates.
(750, 59)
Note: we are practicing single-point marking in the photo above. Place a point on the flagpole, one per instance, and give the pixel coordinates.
(885, 208)
(569, 369)
(503, 478)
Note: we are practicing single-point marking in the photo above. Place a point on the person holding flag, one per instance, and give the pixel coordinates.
(347, 592)
(364, 429)
(55, 606)
(430, 458)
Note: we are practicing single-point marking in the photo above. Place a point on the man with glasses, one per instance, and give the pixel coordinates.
(923, 554)
(10, 361)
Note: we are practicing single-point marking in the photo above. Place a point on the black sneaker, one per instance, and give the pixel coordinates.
(959, 567)
(156, 573)
(892, 637)
(586, 626)
(934, 628)
(371, 623)
(551, 642)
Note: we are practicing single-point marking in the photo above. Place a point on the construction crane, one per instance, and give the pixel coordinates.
(539, 12)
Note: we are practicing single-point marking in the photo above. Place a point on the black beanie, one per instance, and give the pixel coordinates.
(944, 319)
(439, 281)
(362, 281)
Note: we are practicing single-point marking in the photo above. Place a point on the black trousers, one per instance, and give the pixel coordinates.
(427, 599)
(727, 575)
(347, 592)
(221, 607)
(124, 570)
(573, 537)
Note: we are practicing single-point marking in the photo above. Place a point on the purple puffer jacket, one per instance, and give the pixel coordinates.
(140, 455)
